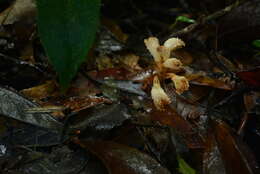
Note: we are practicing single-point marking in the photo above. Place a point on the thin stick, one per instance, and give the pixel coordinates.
(215, 15)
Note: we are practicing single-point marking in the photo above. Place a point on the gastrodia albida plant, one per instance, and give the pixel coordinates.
(166, 67)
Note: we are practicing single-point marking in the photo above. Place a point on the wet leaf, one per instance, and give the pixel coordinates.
(67, 30)
(120, 159)
(61, 160)
(41, 91)
(251, 102)
(19, 74)
(242, 22)
(235, 154)
(83, 87)
(115, 29)
(110, 73)
(128, 86)
(212, 161)
(18, 11)
(77, 104)
(107, 77)
(14, 106)
(186, 107)
(183, 127)
(107, 42)
(130, 61)
(28, 135)
(250, 77)
(102, 118)
(165, 146)
(203, 80)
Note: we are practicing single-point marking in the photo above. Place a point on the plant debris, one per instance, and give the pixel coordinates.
(166, 87)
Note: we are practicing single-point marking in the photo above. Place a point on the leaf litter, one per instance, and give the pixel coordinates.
(107, 122)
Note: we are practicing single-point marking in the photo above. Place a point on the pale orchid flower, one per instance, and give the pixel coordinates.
(180, 82)
(152, 43)
(159, 97)
(173, 64)
(174, 43)
(165, 68)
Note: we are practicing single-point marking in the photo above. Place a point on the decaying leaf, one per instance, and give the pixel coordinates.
(14, 106)
(173, 119)
(204, 80)
(120, 158)
(103, 118)
(18, 11)
(251, 77)
(41, 91)
(234, 152)
(77, 104)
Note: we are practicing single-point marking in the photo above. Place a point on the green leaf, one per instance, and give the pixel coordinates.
(185, 19)
(256, 43)
(184, 168)
(67, 30)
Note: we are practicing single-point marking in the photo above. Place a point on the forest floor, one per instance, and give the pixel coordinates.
(125, 111)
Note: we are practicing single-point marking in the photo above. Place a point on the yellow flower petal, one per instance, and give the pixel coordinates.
(180, 82)
(152, 43)
(173, 64)
(164, 53)
(159, 97)
(174, 43)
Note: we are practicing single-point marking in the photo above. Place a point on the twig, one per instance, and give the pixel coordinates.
(215, 15)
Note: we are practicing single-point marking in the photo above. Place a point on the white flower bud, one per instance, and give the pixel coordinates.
(174, 43)
(152, 44)
(173, 64)
(159, 97)
(180, 82)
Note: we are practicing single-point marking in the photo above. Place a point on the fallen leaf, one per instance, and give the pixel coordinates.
(203, 80)
(174, 120)
(77, 104)
(14, 106)
(235, 154)
(120, 158)
(42, 91)
(101, 118)
(250, 77)
(18, 11)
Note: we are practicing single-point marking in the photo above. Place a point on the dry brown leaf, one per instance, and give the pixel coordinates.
(18, 11)
(199, 79)
(42, 91)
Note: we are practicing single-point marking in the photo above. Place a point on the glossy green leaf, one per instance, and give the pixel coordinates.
(184, 168)
(185, 19)
(67, 30)
(256, 43)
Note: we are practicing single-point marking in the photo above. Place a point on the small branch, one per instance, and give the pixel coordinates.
(215, 15)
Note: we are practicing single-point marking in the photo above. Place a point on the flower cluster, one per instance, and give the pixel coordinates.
(166, 67)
